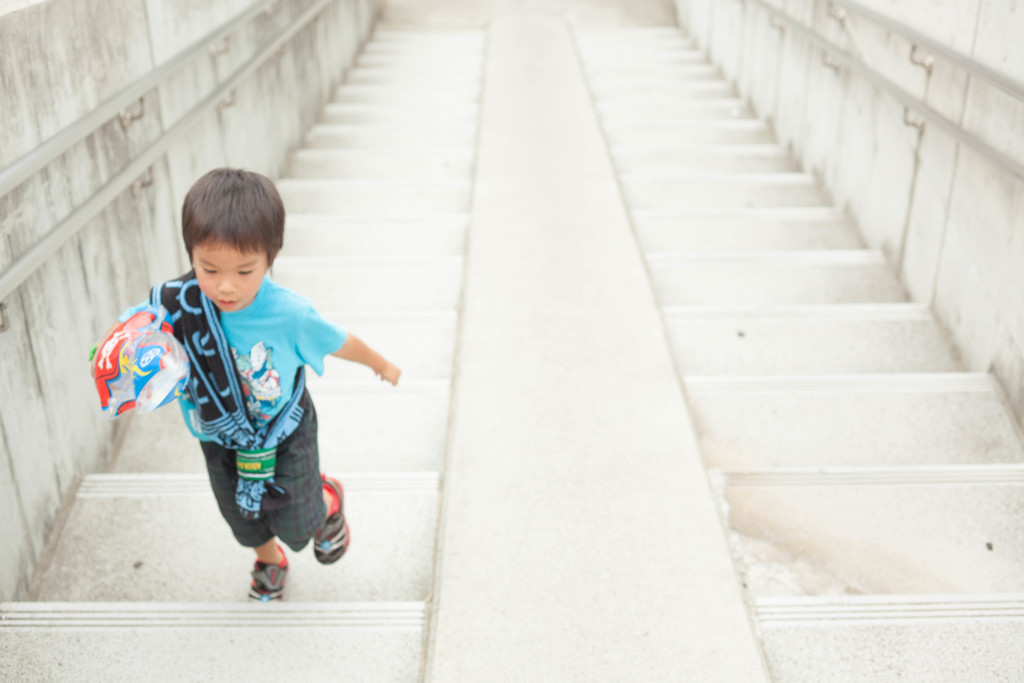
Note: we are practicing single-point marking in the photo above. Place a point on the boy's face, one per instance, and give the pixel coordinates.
(228, 277)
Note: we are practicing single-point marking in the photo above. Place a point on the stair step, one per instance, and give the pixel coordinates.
(391, 556)
(601, 77)
(356, 431)
(397, 137)
(423, 96)
(368, 641)
(909, 530)
(631, 47)
(457, 75)
(847, 339)
(880, 638)
(381, 163)
(425, 343)
(404, 38)
(311, 234)
(763, 190)
(680, 161)
(851, 420)
(394, 198)
(682, 91)
(690, 134)
(462, 53)
(730, 108)
(335, 284)
(767, 278)
(428, 36)
(396, 113)
(660, 58)
(468, 61)
(775, 230)
(592, 35)
(671, 71)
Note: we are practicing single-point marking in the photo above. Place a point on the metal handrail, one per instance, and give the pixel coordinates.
(908, 100)
(22, 169)
(1001, 81)
(28, 262)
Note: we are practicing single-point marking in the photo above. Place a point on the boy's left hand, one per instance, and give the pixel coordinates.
(390, 373)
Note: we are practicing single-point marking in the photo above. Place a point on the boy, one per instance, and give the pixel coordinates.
(248, 340)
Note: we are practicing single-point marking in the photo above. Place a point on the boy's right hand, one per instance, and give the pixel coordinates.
(390, 373)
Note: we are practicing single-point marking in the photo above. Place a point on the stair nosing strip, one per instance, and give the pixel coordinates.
(939, 382)
(391, 127)
(411, 218)
(153, 615)
(331, 183)
(868, 312)
(795, 257)
(709, 102)
(923, 475)
(372, 261)
(768, 178)
(802, 212)
(341, 152)
(888, 608)
(745, 123)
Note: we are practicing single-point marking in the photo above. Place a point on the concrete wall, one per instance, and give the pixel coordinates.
(950, 222)
(58, 60)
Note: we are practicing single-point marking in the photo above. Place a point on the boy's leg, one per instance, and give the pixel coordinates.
(220, 465)
(270, 552)
(269, 574)
(298, 470)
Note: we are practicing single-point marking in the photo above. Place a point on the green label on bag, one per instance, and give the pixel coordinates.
(256, 464)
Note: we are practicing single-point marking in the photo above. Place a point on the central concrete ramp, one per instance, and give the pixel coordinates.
(579, 539)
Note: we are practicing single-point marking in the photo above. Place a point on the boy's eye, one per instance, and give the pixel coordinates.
(209, 271)
(245, 272)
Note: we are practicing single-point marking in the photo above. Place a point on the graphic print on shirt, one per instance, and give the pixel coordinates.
(261, 384)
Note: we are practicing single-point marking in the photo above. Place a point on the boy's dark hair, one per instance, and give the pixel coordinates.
(237, 208)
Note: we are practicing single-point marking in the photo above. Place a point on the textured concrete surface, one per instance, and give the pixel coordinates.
(782, 280)
(932, 651)
(751, 425)
(579, 537)
(830, 540)
(89, 653)
(389, 559)
(737, 344)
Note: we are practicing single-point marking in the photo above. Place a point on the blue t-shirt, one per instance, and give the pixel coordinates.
(270, 340)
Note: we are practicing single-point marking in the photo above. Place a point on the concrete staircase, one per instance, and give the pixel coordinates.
(870, 489)
(867, 486)
(146, 582)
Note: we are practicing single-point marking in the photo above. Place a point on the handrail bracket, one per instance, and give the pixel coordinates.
(927, 62)
(127, 115)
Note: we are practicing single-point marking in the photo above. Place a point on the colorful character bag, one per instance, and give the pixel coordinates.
(139, 364)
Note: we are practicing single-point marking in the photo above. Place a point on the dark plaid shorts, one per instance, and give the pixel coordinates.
(298, 470)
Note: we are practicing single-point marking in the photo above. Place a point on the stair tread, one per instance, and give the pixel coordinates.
(391, 556)
(334, 284)
(908, 425)
(819, 342)
(877, 538)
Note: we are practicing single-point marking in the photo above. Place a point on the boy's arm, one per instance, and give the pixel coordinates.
(355, 350)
